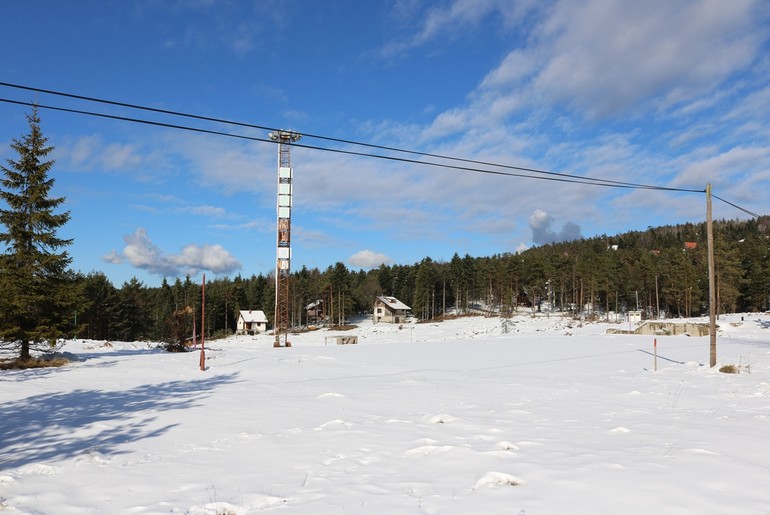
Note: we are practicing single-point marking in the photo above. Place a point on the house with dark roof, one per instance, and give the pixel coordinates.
(314, 311)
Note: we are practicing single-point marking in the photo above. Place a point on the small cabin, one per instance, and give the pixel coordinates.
(252, 321)
(391, 310)
(315, 311)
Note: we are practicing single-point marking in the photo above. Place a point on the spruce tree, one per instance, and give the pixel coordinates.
(35, 304)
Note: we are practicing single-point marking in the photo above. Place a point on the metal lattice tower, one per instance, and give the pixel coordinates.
(283, 251)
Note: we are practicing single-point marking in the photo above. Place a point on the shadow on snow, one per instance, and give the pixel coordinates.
(69, 424)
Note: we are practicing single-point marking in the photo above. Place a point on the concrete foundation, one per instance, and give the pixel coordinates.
(666, 329)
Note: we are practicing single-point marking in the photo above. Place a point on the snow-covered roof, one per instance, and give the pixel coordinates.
(253, 315)
(393, 303)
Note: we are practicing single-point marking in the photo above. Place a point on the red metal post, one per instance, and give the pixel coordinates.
(203, 321)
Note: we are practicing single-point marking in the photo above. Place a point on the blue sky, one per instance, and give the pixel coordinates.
(663, 92)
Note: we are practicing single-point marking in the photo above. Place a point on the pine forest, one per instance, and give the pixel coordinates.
(658, 271)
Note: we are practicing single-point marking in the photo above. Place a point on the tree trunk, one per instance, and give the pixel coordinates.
(24, 356)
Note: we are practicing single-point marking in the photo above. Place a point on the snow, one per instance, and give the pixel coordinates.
(457, 417)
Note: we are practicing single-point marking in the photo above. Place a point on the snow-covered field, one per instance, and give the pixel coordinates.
(456, 417)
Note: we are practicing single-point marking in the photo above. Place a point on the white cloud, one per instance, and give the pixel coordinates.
(209, 211)
(83, 149)
(585, 90)
(206, 257)
(603, 57)
(367, 259)
(225, 165)
(521, 247)
(258, 225)
(120, 156)
(113, 257)
(450, 19)
(142, 253)
(725, 169)
(606, 55)
(163, 199)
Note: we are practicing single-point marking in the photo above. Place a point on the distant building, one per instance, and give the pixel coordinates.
(390, 309)
(251, 322)
(315, 311)
(690, 245)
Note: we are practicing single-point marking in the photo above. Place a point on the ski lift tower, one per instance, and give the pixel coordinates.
(283, 252)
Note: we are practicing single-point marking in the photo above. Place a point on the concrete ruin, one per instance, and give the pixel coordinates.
(666, 329)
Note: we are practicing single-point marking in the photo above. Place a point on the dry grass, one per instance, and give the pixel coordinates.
(46, 362)
(730, 369)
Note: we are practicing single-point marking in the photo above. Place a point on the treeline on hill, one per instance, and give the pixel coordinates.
(658, 270)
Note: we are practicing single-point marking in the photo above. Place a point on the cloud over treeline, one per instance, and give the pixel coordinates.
(367, 259)
(142, 253)
(540, 222)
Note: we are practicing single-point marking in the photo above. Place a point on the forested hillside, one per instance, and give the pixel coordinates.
(661, 269)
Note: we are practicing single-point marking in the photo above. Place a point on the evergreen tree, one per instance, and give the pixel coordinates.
(339, 278)
(456, 279)
(36, 305)
(131, 311)
(385, 279)
(101, 295)
(728, 272)
(163, 301)
(424, 290)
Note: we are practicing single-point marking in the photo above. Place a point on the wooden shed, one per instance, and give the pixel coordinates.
(315, 311)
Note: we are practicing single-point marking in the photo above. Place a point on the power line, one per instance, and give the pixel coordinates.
(555, 177)
(737, 206)
(548, 175)
(545, 175)
(306, 135)
(576, 178)
(311, 147)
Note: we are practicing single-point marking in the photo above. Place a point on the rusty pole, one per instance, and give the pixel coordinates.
(203, 322)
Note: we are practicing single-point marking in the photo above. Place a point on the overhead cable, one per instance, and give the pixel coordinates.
(546, 175)
(556, 178)
(576, 178)
(755, 215)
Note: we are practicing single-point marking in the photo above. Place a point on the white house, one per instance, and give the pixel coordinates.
(251, 322)
(390, 309)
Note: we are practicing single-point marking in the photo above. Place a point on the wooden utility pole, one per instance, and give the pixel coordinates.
(712, 287)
